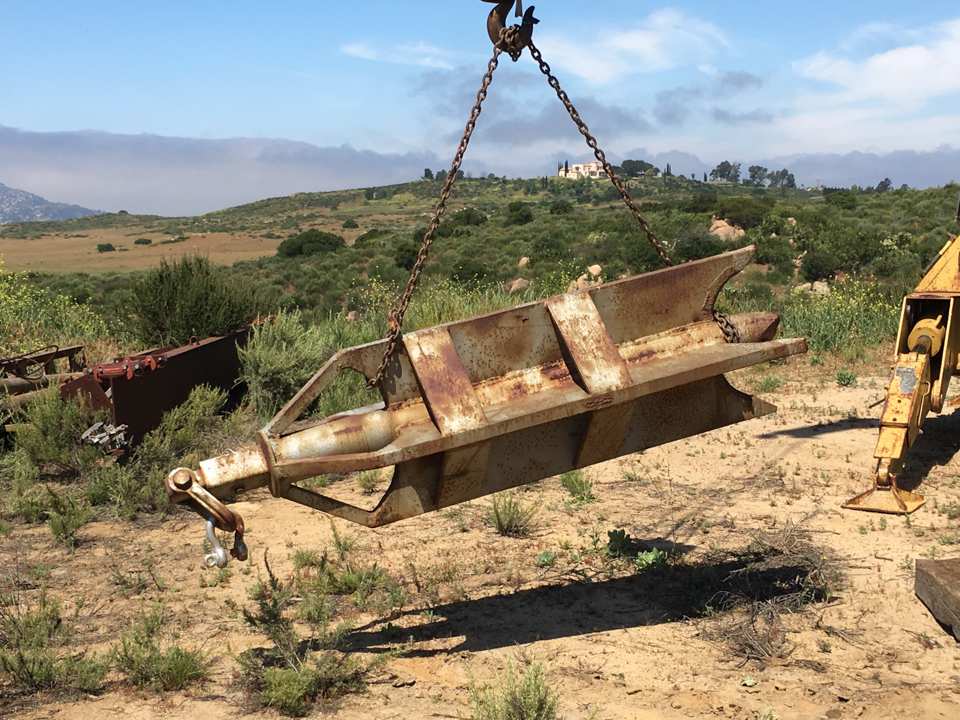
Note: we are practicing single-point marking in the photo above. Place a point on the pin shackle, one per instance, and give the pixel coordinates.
(182, 486)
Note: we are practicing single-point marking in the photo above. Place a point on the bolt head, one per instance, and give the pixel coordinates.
(182, 479)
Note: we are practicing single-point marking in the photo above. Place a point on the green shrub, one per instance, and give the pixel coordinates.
(518, 213)
(284, 352)
(31, 317)
(350, 224)
(510, 518)
(846, 378)
(31, 634)
(190, 298)
(819, 264)
(561, 207)
(578, 485)
(854, 314)
(65, 516)
(145, 662)
(516, 695)
(50, 436)
(468, 217)
(310, 242)
(143, 241)
(291, 675)
(105, 248)
(744, 212)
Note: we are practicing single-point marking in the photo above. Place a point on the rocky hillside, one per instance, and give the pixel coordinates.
(21, 206)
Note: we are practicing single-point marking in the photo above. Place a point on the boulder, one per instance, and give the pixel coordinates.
(595, 270)
(524, 261)
(819, 288)
(517, 285)
(353, 316)
(725, 231)
(792, 222)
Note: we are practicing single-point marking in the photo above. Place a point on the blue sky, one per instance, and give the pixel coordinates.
(731, 79)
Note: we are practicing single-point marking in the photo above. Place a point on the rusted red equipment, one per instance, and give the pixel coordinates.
(136, 391)
(36, 364)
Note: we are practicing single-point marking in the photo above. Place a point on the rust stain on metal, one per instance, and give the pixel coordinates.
(482, 405)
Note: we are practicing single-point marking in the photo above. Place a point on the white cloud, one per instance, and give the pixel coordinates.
(665, 39)
(420, 54)
(902, 76)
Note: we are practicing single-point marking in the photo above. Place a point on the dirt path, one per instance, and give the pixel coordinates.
(622, 647)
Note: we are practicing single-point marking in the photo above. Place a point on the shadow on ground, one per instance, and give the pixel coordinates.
(935, 447)
(661, 595)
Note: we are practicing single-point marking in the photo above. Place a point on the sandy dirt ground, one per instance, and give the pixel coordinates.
(615, 647)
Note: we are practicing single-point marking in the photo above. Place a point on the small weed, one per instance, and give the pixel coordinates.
(650, 559)
(769, 383)
(142, 660)
(30, 634)
(546, 559)
(518, 694)
(579, 486)
(65, 517)
(952, 511)
(290, 676)
(510, 517)
(846, 378)
(368, 482)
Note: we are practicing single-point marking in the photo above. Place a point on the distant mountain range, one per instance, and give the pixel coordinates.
(187, 176)
(21, 206)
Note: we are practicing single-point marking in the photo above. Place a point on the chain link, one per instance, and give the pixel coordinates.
(511, 42)
(395, 318)
(601, 156)
(730, 332)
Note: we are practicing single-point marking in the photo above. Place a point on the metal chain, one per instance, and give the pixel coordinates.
(730, 332)
(599, 154)
(395, 318)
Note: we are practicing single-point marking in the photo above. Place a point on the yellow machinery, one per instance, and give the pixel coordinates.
(928, 342)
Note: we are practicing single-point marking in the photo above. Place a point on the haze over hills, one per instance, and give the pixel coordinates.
(185, 176)
(21, 206)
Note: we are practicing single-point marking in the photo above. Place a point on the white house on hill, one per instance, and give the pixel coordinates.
(584, 170)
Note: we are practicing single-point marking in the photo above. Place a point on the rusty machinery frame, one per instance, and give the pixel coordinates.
(482, 405)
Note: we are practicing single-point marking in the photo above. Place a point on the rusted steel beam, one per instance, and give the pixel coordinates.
(24, 366)
(481, 405)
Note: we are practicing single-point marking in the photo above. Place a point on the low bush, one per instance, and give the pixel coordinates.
(292, 674)
(146, 661)
(50, 435)
(285, 351)
(518, 213)
(32, 316)
(310, 242)
(105, 247)
(517, 694)
(143, 241)
(510, 518)
(32, 635)
(190, 298)
(350, 224)
(66, 516)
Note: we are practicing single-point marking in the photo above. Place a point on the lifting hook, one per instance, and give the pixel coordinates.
(497, 26)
